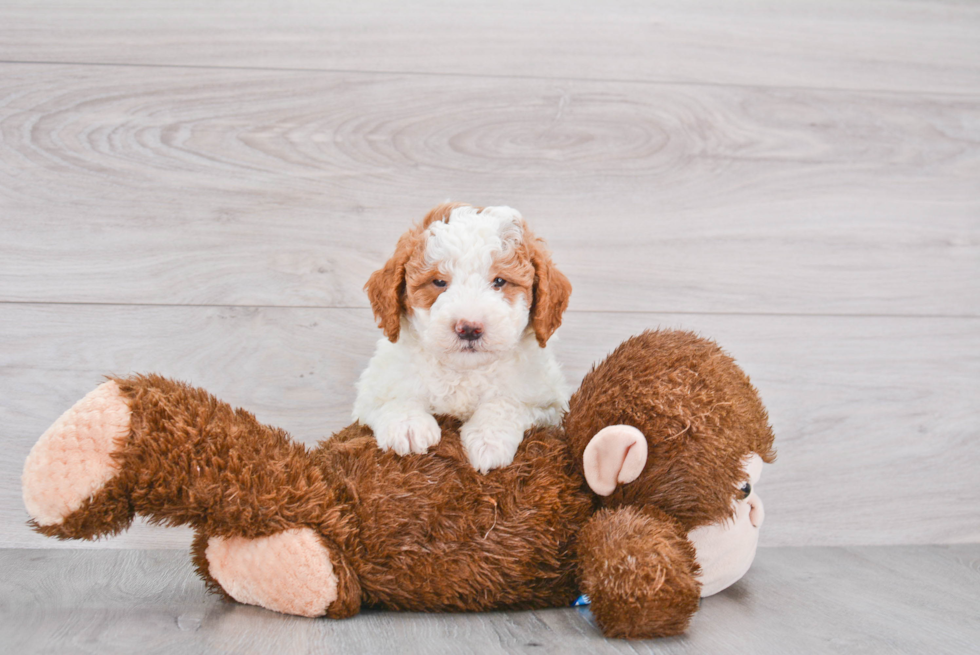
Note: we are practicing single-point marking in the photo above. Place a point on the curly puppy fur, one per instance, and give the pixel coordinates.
(428, 532)
(467, 303)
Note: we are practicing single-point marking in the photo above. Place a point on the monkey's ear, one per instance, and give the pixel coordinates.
(617, 454)
(386, 288)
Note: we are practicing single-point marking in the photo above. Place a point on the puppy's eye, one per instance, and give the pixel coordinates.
(745, 490)
(439, 283)
(499, 282)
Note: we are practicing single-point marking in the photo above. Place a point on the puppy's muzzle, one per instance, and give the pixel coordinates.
(469, 331)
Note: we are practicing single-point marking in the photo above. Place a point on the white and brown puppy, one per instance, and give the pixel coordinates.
(467, 303)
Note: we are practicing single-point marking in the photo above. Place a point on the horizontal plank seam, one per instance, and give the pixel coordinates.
(570, 311)
(351, 71)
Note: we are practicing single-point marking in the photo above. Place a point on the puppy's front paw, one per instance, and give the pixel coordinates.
(489, 449)
(411, 433)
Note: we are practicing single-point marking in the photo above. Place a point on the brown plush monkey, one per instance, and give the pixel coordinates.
(652, 463)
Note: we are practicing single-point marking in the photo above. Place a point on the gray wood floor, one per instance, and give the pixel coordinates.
(894, 599)
(201, 189)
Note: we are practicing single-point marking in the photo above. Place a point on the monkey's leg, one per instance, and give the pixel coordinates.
(150, 446)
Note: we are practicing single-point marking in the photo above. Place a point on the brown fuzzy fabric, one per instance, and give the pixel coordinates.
(699, 412)
(639, 571)
(432, 533)
(427, 532)
(194, 460)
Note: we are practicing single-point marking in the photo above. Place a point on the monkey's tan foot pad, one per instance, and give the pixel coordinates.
(289, 572)
(69, 467)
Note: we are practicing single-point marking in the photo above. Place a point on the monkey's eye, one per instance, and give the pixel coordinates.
(499, 282)
(745, 490)
(439, 283)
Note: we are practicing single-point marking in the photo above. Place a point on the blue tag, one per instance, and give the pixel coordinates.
(582, 600)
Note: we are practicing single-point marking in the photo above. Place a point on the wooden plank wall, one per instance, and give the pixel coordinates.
(201, 189)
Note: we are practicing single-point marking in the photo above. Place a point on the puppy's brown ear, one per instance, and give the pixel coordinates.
(551, 292)
(386, 287)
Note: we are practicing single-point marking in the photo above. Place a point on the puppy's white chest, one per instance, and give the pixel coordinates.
(454, 393)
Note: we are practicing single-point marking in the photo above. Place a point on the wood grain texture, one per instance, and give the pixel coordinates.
(911, 45)
(797, 180)
(131, 185)
(807, 600)
(875, 417)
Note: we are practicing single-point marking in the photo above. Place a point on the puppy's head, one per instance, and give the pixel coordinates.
(470, 282)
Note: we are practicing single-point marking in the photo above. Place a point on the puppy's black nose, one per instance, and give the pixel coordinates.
(469, 331)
